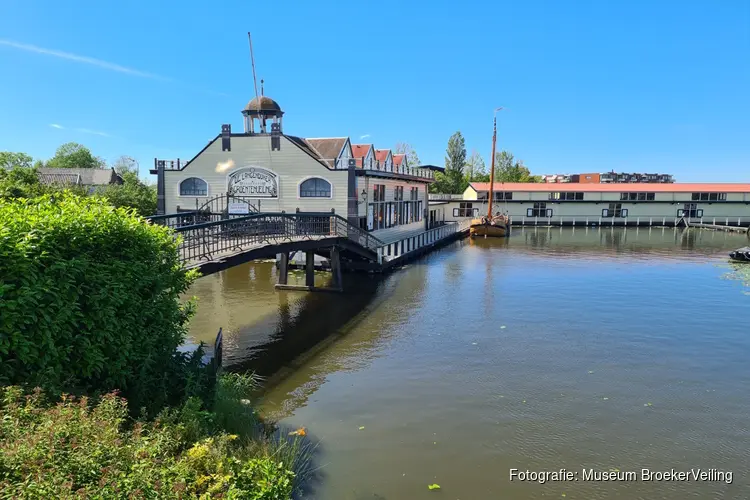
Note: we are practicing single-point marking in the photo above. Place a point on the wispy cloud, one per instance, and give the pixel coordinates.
(99, 63)
(82, 59)
(92, 132)
(364, 136)
(81, 130)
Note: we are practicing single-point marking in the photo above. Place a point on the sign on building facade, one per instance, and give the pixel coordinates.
(254, 182)
(238, 207)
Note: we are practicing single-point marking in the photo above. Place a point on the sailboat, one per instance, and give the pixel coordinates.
(499, 225)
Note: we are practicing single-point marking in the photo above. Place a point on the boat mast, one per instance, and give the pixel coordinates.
(492, 168)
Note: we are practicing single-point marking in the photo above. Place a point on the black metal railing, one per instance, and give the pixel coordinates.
(181, 219)
(205, 240)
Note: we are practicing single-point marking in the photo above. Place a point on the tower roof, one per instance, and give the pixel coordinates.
(263, 105)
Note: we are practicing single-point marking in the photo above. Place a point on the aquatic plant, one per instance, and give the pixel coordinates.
(739, 271)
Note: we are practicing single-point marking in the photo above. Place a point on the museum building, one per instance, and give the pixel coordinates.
(265, 170)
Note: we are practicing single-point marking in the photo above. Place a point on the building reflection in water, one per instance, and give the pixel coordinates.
(274, 333)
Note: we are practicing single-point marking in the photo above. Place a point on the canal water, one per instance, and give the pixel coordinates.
(609, 350)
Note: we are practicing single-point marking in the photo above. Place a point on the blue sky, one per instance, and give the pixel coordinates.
(588, 85)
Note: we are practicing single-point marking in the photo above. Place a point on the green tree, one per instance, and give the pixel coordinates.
(507, 169)
(441, 185)
(10, 160)
(476, 170)
(455, 161)
(133, 193)
(125, 164)
(19, 182)
(411, 155)
(74, 155)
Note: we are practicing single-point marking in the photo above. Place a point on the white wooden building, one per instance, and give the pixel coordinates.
(602, 204)
(263, 169)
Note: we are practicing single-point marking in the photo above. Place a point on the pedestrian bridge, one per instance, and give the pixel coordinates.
(213, 242)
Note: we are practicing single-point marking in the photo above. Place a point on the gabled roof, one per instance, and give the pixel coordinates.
(82, 176)
(614, 187)
(304, 146)
(328, 148)
(397, 159)
(360, 151)
(382, 154)
(59, 179)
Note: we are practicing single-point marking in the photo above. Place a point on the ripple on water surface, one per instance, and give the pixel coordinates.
(604, 349)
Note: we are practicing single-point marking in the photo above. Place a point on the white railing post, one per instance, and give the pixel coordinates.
(380, 255)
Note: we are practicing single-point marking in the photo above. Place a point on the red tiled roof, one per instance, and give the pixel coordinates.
(397, 159)
(359, 150)
(622, 187)
(381, 154)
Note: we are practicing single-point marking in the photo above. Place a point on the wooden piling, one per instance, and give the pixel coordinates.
(309, 269)
(283, 269)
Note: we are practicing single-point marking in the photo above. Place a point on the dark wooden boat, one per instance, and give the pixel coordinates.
(489, 226)
(741, 254)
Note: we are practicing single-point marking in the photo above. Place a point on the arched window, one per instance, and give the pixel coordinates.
(315, 188)
(193, 186)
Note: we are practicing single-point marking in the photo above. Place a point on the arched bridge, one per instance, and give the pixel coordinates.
(213, 242)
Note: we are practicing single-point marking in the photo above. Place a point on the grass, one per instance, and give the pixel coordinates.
(236, 415)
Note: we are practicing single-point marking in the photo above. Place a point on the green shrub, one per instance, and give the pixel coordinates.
(132, 193)
(89, 302)
(73, 449)
(19, 181)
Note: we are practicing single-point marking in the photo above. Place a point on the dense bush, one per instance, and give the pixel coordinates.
(89, 301)
(132, 193)
(72, 449)
(19, 182)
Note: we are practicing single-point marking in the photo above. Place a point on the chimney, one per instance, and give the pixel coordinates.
(275, 137)
(226, 137)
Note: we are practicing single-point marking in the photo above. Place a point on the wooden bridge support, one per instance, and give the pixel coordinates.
(309, 269)
(284, 269)
(336, 282)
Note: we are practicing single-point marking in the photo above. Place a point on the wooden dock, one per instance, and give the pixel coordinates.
(719, 227)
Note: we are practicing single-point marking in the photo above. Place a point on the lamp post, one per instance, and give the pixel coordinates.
(137, 167)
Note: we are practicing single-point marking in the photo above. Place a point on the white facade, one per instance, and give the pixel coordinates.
(295, 176)
(623, 204)
(287, 169)
(384, 159)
